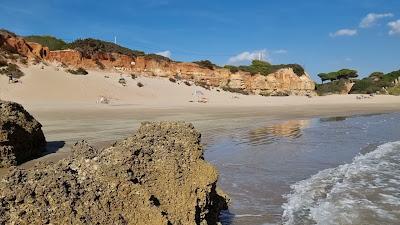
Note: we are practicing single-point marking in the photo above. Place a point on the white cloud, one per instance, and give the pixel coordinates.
(280, 51)
(165, 53)
(344, 32)
(248, 56)
(394, 27)
(372, 18)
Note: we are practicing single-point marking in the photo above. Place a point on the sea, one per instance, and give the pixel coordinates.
(336, 170)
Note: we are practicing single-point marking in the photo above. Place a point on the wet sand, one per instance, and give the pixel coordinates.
(102, 125)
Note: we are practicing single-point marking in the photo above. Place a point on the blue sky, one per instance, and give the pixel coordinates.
(321, 35)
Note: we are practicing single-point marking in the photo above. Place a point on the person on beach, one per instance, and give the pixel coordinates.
(10, 79)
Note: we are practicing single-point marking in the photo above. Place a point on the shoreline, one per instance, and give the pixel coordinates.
(281, 112)
(104, 125)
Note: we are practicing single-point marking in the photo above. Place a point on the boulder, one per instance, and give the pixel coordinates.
(21, 136)
(156, 176)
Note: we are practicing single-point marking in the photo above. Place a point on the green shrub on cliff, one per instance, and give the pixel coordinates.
(394, 90)
(334, 87)
(265, 68)
(89, 47)
(13, 70)
(391, 77)
(376, 82)
(49, 41)
(365, 86)
(206, 64)
(232, 69)
(158, 58)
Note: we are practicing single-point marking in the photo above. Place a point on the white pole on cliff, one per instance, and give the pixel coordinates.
(115, 39)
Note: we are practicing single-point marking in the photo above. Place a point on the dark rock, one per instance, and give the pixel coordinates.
(157, 176)
(21, 136)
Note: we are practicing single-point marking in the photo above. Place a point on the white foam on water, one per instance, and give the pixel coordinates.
(365, 191)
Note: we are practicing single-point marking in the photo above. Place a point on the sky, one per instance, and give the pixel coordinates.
(320, 35)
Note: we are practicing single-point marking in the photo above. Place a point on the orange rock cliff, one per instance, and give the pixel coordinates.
(282, 82)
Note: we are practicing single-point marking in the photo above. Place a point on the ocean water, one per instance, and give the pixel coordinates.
(341, 170)
(365, 191)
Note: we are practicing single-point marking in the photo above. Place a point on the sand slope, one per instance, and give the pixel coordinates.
(52, 87)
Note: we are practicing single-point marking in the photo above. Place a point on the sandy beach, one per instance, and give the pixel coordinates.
(51, 88)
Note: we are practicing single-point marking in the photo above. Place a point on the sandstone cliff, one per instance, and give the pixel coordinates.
(14, 44)
(281, 82)
(156, 176)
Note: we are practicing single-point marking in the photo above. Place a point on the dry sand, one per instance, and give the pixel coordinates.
(51, 89)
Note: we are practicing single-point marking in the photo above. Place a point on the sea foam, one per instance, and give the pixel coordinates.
(364, 191)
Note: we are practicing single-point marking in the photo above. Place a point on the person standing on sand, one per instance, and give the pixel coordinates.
(10, 79)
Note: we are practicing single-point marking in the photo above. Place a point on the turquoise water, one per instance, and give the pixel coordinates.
(320, 171)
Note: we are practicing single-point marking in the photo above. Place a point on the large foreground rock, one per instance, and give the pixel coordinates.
(157, 176)
(21, 136)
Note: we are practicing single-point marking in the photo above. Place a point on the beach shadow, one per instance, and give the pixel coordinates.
(53, 147)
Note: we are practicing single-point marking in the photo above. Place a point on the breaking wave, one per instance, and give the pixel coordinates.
(365, 191)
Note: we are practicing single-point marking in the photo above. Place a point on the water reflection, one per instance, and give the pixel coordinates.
(291, 129)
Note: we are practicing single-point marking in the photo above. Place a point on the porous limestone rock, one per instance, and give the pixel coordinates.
(156, 176)
(21, 136)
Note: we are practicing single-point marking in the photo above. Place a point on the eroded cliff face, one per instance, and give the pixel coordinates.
(18, 45)
(282, 82)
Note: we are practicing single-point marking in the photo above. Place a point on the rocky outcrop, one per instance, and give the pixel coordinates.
(282, 82)
(21, 136)
(14, 44)
(157, 176)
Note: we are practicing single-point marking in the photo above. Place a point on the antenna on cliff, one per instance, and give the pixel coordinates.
(260, 56)
(115, 39)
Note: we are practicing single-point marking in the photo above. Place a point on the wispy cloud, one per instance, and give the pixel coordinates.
(394, 27)
(280, 51)
(344, 32)
(372, 18)
(247, 56)
(165, 53)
